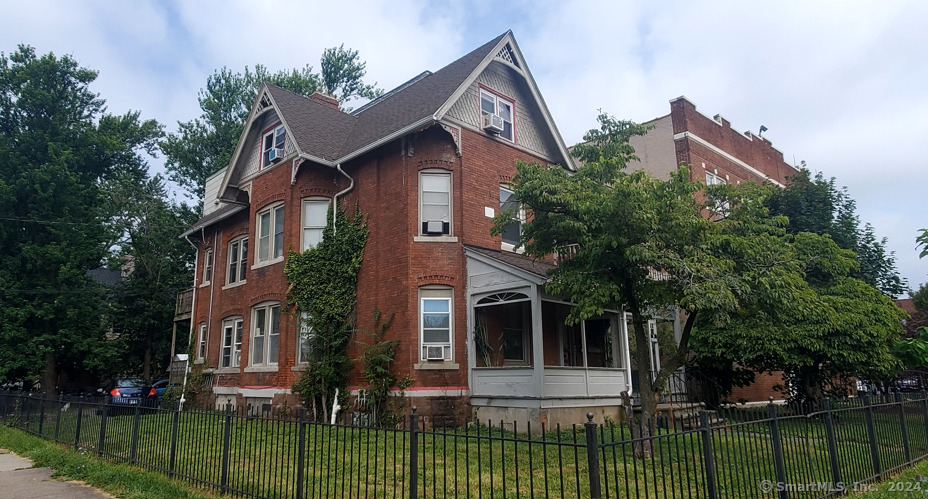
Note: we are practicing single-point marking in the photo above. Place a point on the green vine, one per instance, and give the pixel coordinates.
(323, 287)
(378, 358)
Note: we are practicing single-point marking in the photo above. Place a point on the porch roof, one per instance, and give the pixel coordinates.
(521, 262)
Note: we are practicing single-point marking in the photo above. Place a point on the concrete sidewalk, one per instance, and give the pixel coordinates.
(19, 480)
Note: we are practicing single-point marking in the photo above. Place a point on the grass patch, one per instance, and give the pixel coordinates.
(909, 484)
(120, 480)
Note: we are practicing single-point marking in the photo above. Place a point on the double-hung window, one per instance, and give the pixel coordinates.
(714, 179)
(208, 265)
(270, 233)
(513, 230)
(304, 348)
(272, 148)
(435, 203)
(238, 254)
(315, 212)
(201, 342)
(231, 342)
(435, 324)
(491, 103)
(265, 334)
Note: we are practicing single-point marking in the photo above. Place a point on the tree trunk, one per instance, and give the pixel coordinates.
(50, 376)
(642, 430)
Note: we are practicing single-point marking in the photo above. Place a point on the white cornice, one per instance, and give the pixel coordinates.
(720, 152)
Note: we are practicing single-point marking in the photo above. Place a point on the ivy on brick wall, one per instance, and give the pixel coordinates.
(323, 287)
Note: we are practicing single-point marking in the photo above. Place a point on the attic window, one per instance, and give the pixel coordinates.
(492, 105)
(272, 149)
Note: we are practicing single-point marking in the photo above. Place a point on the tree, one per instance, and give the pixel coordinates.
(57, 147)
(205, 145)
(645, 245)
(817, 205)
(158, 264)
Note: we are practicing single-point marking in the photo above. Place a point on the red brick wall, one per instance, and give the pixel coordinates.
(395, 266)
(761, 389)
(756, 151)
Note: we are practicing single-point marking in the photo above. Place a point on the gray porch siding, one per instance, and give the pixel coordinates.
(531, 130)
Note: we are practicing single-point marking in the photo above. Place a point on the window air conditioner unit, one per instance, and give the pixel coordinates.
(435, 353)
(275, 154)
(434, 227)
(492, 123)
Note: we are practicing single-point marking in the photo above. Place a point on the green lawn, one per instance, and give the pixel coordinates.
(477, 461)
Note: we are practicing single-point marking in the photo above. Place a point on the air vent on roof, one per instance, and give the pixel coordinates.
(492, 123)
(275, 154)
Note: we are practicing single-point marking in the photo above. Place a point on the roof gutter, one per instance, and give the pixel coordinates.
(335, 198)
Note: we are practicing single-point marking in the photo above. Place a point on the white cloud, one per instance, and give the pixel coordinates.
(838, 84)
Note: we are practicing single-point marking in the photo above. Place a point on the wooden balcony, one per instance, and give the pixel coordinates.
(184, 306)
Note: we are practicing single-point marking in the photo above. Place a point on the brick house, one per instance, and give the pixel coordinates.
(429, 163)
(716, 154)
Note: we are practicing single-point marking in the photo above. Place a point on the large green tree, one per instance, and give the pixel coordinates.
(648, 245)
(815, 204)
(157, 265)
(204, 145)
(57, 148)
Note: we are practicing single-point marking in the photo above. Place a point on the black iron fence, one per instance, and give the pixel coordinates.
(773, 451)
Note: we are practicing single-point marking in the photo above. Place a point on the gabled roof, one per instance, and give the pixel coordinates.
(330, 136)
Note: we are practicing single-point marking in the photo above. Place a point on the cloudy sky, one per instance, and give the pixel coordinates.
(840, 85)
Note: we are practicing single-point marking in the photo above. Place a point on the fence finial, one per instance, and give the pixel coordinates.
(413, 409)
(589, 417)
(771, 399)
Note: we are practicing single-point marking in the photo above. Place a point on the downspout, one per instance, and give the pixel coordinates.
(193, 303)
(335, 198)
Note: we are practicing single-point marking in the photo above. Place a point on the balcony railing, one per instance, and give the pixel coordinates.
(184, 306)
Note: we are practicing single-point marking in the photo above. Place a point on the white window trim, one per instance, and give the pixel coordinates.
(271, 210)
(436, 293)
(202, 342)
(304, 223)
(512, 106)
(302, 329)
(268, 328)
(234, 347)
(437, 173)
(273, 133)
(503, 244)
(209, 270)
(241, 261)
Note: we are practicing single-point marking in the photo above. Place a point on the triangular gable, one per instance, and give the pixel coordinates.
(490, 269)
(506, 51)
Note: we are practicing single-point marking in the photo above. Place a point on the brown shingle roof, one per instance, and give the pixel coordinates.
(331, 134)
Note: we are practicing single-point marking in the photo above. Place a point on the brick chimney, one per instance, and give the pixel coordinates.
(328, 100)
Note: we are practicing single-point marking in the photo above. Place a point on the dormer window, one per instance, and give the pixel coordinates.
(502, 108)
(272, 150)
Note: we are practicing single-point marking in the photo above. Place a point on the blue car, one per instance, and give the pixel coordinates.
(160, 386)
(132, 392)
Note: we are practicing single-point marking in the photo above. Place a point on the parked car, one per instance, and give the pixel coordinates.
(131, 392)
(160, 386)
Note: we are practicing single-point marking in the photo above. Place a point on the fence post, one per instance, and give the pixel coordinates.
(904, 427)
(226, 450)
(301, 453)
(778, 460)
(871, 436)
(925, 411)
(133, 452)
(832, 444)
(592, 457)
(175, 423)
(102, 440)
(42, 413)
(58, 416)
(707, 454)
(413, 454)
(77, 431)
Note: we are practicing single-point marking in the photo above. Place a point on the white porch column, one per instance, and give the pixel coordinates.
(538, 350)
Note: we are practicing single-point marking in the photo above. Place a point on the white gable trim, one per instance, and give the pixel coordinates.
(533, 88)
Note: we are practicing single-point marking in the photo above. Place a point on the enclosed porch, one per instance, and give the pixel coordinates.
(525, 360)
